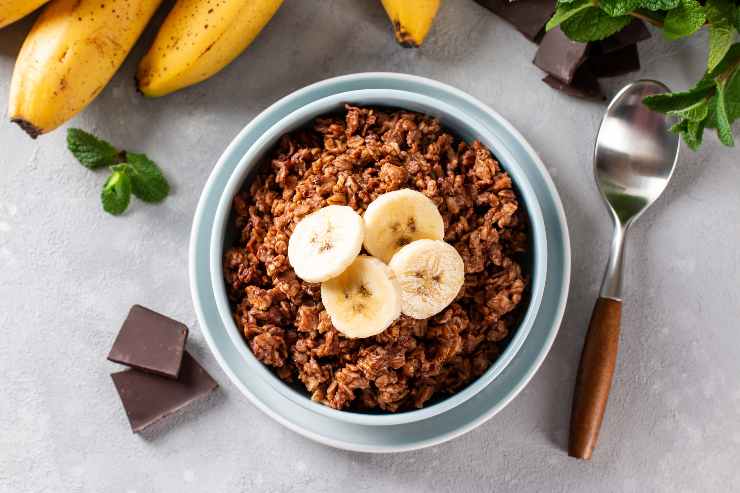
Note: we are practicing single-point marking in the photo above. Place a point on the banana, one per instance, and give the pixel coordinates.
(199, 38)
(364, 300)
(397, 218)
(325, 243)
(411, 19)
(12, 10)
(430, 274)
(71, 53)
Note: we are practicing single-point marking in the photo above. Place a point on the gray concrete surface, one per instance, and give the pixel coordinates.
(69, 272)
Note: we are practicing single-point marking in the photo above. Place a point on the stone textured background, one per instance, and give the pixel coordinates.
(69, 272)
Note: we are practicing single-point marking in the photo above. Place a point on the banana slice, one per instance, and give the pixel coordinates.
(364, 300)
(397, 218)
(325, 243)
(430, 273)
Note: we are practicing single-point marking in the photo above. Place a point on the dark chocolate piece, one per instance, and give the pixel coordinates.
(148, 398)
(615, 63)
(151, 342)
(559, 56)
(584, 85)
(527, 16)
(635, 32)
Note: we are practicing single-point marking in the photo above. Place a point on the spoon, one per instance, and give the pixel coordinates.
(634, 158)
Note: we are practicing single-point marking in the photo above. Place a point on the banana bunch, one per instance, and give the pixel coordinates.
(410, 269)
(76, 46)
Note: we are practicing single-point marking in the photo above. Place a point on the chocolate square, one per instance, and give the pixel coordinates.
(150, 342)
(615, 63)
(148, 398)
(584, 85)
(527, 16)
(559, 56)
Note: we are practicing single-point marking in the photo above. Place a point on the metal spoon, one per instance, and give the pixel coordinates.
(634, 159)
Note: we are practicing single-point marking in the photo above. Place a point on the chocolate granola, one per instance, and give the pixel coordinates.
(351, 159)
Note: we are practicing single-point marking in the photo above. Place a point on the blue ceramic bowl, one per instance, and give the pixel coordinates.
(461, 125)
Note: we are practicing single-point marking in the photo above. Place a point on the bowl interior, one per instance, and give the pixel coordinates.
(458, 124)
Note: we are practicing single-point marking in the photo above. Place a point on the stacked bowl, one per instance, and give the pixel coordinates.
(440, 420)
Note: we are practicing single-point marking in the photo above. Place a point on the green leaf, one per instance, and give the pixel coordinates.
(737, 18)
(691, 132)
(684, 20)
(722, 16)
(724, 129)
(147, 181)
(90, 151)
(593, 24)
(566, 10)
(659, 4)
(696, 113)
(676, 101)
(728, 64)
(732, 96)
(619, 7)
(116, 193)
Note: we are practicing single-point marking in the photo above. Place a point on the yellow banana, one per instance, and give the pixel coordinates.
(69, 56)
(411, 19)
(12, 10)
(199, 38)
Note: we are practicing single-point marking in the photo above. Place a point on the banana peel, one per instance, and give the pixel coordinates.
(73, 50)
(13, 10)
(411, 19)
(198, 39)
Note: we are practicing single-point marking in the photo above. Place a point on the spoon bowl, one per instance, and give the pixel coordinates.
(635, 153)
(634, 159)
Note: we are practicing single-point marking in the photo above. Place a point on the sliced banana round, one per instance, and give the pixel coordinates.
(397, 218)
(325, 243)
(430, 274)
(364, 300)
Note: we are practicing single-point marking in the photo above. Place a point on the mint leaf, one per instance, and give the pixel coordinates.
(684, 20)
(659, 4)
(691, 132)
(696, 113)
(732, 96)
(676, 101)
(147, 181)
(593, 24)
(724, 129)
(722, 16)
(116, 193)
(619, 7)
(90, 151)
(566, 10)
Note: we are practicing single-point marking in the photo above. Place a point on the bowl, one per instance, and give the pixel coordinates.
(462, 125)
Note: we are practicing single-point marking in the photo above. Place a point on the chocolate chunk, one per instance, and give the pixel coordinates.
(148, 398)
(559, 56)
(635, 32)
(584, 85)
(615, 63)
(527, 16)
(151, 342)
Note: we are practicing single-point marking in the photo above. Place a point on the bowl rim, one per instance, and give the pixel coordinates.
(414, 102)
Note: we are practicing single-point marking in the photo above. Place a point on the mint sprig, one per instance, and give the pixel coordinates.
(131, 173)
(714, 102)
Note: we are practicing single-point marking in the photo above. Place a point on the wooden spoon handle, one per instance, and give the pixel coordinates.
(594, 377)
